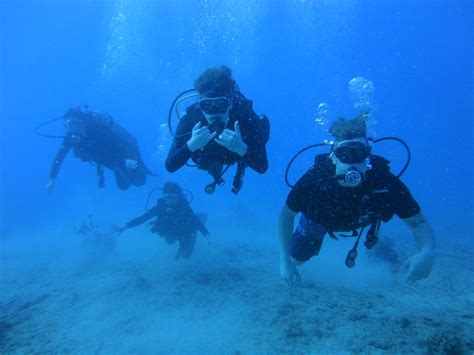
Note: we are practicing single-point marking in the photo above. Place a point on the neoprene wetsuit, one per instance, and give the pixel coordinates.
(177, 223)
(212, 157)
(106, 144)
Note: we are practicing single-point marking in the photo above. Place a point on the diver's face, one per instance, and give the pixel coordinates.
(216, 110)
(351, 155)
(171, 199)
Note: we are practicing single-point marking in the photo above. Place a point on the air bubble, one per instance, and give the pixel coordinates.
(361, 92)
(321, 116)
(162, 142)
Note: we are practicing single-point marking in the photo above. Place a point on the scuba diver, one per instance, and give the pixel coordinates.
(175, 220)
(95, 137)
(349, 189)
(220, 130)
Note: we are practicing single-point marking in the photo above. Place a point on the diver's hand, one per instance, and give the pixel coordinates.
(131, 164)
(419, 266)
(114, 229)
(50, 186)
(232, 140)
(200, 137)
(289, 272)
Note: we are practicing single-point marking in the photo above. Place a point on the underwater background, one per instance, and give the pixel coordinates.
(303, 63)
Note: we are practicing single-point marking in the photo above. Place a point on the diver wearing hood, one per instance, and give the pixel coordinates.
(221, 129)
(96, 138)
(348, 190)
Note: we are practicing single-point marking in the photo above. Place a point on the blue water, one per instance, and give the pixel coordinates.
(130, 58)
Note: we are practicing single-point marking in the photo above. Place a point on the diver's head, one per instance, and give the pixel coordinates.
(74, 122)
(216, 88)
(351, 151)
(172, 194)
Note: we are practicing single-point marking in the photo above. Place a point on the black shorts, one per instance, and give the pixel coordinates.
(307, 239)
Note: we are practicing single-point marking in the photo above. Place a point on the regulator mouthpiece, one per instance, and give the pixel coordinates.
(353, 177)
(217, 125)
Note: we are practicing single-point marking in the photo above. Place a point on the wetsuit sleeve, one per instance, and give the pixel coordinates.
(200, 226)
(403, 203)
(143, 218)
(196, 221)
(179, 152)
(60, 155)
(256, 156)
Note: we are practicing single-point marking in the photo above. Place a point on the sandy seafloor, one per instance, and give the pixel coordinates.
(228, 299)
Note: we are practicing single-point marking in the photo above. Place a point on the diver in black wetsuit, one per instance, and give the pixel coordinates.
(175, 220)
(348, 190)
(221, 129)
(95, 137)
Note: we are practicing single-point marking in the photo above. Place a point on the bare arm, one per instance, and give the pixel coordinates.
(419, 265)
(422, 232)
(286, 222)
(287, 268)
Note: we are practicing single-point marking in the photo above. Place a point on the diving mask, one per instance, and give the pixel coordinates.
(215, 105)
(352, 152)
(352, 160)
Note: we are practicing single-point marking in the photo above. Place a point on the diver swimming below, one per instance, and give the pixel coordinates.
(174, 220)
(220, 130)
(348, 190)
(96, 138)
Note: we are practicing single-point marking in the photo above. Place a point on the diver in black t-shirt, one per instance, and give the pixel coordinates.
(174, 220)
(221, 129)
(346, 190)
